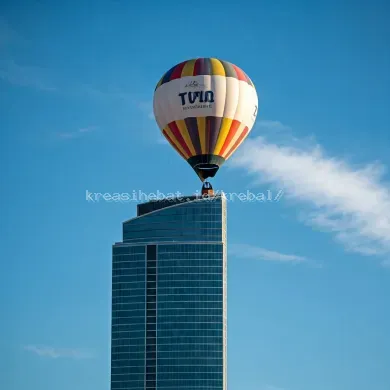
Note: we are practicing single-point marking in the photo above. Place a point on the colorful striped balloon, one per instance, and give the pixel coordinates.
(205, 108)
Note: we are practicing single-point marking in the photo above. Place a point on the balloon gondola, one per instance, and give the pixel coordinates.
(205, 108)
(207, 189)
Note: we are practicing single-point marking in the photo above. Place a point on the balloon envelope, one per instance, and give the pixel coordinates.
(205, 108)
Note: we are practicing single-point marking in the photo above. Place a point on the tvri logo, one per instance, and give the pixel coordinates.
(196, 97)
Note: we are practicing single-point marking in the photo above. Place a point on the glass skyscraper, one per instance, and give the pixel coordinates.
(169, 317)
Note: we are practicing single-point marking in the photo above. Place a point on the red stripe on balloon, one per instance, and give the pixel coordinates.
(173, 144)
(240, 73)
(198, 67)
(176, 74)
(240, 138)
(176, 132)
(232, 132)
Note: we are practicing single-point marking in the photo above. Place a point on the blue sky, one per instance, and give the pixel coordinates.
(308, 302)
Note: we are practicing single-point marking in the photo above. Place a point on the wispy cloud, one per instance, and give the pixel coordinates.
(270, 387)
(56, 353)
(162, 140)
(272, 125)
(7, 33)
(147, 109)
(76, 134)
(255, 252)
(111, 95)
(386, 263)
(26, 76)
(46, 80)
(353, 203)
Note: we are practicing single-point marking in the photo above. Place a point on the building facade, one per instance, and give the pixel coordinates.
(169, 317)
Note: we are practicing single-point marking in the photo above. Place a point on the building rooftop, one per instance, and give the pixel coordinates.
(158, 204)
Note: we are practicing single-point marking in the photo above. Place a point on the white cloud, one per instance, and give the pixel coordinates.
(55, 353)
(254, 252)
(353, 203)
(78, 133)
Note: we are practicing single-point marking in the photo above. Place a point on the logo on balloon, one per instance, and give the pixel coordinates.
(198, 99)
(193, 84)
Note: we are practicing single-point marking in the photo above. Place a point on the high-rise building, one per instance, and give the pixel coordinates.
(169, 318)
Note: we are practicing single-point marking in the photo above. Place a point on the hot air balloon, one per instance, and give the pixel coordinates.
(205, 108)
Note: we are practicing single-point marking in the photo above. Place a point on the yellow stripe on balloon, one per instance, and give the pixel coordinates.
(188, 69)
(186, 136)
(176, 142)
(202, 133)
(223, 132)
(234, 139)
(217, 67)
